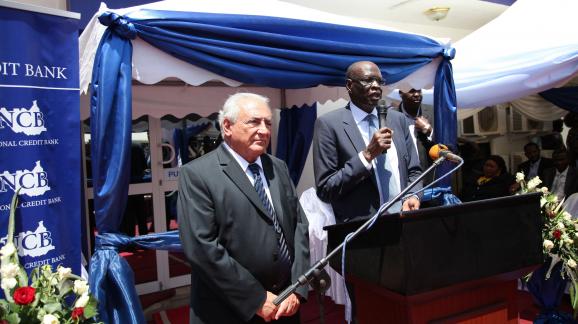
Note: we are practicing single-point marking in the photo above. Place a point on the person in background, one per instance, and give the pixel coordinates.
(494, 182)
(536, 164)
(571, 121)
(561, 179)
(421, 129)
(241, 225)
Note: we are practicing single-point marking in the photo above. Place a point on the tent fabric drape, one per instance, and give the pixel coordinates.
(111, 277)
(565, 98)
(110, 129)
(266, 51)
(536, 108)
(531, 47)
(294, 138)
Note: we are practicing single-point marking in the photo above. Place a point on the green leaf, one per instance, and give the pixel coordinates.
(52, 308)
(90, 309)
(13, 206)
(13, 318)
(22, 277)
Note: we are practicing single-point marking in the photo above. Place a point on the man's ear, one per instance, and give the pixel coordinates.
(348, 85)
(227, 127)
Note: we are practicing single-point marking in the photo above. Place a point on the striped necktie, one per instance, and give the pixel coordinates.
(283, 248)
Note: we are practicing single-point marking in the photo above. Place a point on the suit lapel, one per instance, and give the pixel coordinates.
(354, 135)
(232, 169)
(398, 139)
(352, 130)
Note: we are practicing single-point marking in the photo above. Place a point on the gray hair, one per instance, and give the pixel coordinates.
(232, 106)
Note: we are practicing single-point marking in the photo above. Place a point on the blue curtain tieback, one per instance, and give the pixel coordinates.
(449, 53)
(112, 241)
(168, 241)
(118, 24)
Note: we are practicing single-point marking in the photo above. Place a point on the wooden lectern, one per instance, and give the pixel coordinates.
(451, 264)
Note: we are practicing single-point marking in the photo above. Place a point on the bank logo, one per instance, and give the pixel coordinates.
(21, 120)
(33, 244)
(30, 182)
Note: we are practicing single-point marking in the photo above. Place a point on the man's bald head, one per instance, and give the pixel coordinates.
(364, 84)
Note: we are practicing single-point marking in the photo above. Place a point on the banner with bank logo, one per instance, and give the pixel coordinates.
(40, 135)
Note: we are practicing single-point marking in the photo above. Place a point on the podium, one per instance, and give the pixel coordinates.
(450, 264)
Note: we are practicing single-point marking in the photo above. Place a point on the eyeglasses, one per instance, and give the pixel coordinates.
(368, 82)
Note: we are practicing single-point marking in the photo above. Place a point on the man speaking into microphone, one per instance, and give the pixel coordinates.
(360, 165)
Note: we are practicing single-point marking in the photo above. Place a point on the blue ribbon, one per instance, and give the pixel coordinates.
(118, 24)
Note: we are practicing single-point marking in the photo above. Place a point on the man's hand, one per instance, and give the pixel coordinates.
(379, 143)
(423, 125)
(288, 307)
(411, 203)
(267, 311)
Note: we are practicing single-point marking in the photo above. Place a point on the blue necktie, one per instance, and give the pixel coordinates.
(383, 175)
(285, 256)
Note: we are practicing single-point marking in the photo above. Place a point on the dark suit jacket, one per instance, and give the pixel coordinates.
(229, 238)
(545, 163)
(423, 144)
(496, 187)
(341, 178)
(571, 185)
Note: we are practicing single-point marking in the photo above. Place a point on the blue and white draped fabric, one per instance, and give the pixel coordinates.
(294, 137)
(503, 60)
(112, 280)
(260, 50)
(565, 98)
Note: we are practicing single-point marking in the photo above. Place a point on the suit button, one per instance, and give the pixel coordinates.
(275, 256)
(275, 287)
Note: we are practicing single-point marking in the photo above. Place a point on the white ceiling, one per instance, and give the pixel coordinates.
(464, 16)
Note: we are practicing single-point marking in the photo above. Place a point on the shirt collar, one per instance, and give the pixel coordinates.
(563, 173)
(402, 109)
(358, 114)
(242, 162)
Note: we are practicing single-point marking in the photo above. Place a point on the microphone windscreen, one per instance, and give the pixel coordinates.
(434, 151)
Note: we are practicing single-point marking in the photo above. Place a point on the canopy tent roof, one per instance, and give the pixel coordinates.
(531, 47)
(151, 65)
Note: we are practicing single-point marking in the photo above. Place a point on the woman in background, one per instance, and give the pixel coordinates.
(494, 182)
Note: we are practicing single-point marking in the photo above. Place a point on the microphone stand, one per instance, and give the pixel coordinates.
(314, 271)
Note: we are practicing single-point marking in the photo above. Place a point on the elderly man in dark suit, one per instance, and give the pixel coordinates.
(241, 225)
(352, 173)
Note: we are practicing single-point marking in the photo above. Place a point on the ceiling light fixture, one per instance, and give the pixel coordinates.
(437, 13)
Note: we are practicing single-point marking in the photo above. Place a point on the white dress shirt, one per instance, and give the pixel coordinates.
(245, 167)
(391, 156)
(559, 183)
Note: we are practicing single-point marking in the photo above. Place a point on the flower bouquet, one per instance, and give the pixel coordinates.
(560, 235)
(45, 297)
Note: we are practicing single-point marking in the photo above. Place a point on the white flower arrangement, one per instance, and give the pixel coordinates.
(559, 234)
(42, 296)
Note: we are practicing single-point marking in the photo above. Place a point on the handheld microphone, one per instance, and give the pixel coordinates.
(381, 112)
(440, 150)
